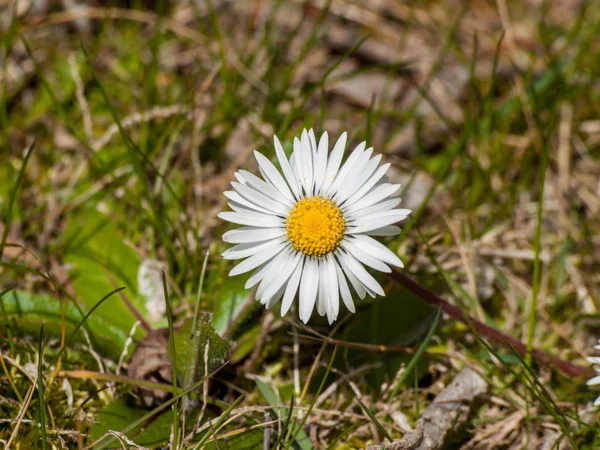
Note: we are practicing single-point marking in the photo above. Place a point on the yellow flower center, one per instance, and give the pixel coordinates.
(315, 226)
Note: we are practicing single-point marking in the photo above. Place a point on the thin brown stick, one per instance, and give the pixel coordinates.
(358, 345)
(485, 331)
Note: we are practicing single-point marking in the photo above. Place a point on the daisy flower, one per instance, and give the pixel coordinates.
(308, 228)
(595, 380)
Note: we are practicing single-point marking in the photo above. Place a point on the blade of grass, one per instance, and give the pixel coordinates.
(194, 348)
(219, 421)
(286, 424)
(535, 289)
(22, 268)
(488, 332)
(173, 361)
(543, 396)
(41, 391)
(90, 312)
(13, 197)
(312, 403)
(456, 147)
(413, 361)
(346, 432)
(287, 121)
(7, 41)
(377, 423)
(140, 162)
(11, 342)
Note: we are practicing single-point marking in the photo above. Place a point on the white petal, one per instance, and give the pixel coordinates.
(313, 147)
(378, 194)
(378, 220)
(273, 175)
(259, 273)
(292, 288)
(268, 268)
(333, 162)
(390, 230)
(288, 269)
(597, 401)
(272, 275)
(260, 199)
(333, 293)
(361, 171)
(234, 196)
(240, 251)
(355, 282)
(252, 234)
(361, 273)
(307, 164)
(238, 176)
(253, 220)
(350, 246)
(275, 298)
(296, 163)
(286, 168)
(308, 288)
(321, 162)
(384, 205)
(239, 208)
(354, 156)
(593, 381)
(256, 260)
(366, 188)
(370, 292)
(344, 289)
(322, 292)
(377, 250)
(594, 359)
(265, 188)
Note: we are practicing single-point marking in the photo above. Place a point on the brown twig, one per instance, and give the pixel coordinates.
(485, 331)
(267, 432)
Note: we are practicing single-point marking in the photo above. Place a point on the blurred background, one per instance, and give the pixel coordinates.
(123, 123)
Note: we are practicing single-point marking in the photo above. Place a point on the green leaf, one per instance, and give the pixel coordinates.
(100, 261)
(245, 344)
(229, 303)
(27, 312)
(118, 414)
(218, 348)
(398, 319)
(155, 433)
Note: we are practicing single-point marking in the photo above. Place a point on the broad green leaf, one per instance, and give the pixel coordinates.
(118, 414)
(100, 260)
(229, 302)
(246, 343)
(27, 312)
(218, 348)
(398, 319)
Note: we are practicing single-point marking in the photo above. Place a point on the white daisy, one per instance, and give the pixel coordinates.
(595, 380)
(309, 230)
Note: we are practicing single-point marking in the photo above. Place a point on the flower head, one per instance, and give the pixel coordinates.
(308, 228)
(595, 380)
